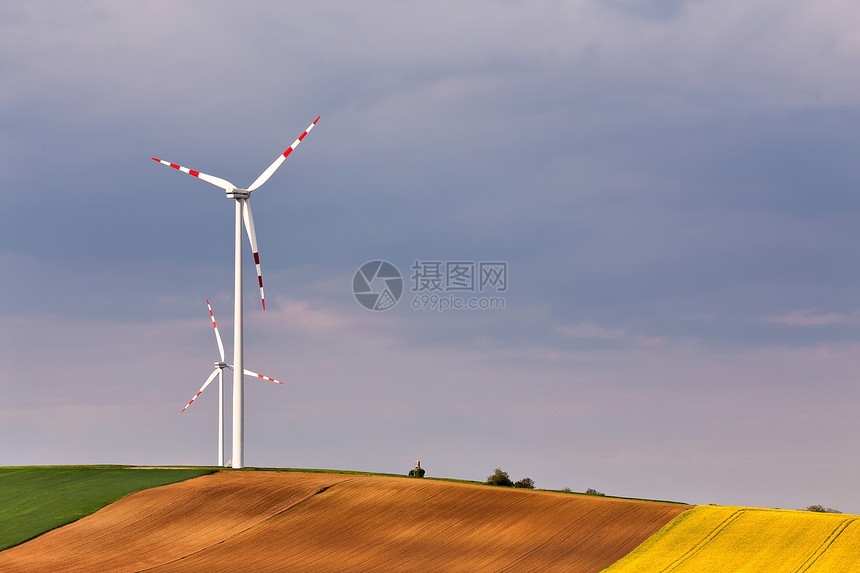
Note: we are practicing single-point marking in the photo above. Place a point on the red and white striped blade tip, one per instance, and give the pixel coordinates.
(264, 176)
(217, 181)
(251, 373)
(205, 384)
(248, 218)
(217, 334)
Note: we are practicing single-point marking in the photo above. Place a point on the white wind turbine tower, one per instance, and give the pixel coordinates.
(243, 212)
(219, 370)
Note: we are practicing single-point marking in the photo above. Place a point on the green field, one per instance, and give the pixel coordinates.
(36, 499)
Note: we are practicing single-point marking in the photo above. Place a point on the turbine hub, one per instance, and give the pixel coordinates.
(221, 365)
(238, 194)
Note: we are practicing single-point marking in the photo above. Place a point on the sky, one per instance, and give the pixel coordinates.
(670, 186)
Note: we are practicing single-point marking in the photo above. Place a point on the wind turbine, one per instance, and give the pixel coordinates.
(243, 212)
(219, 370)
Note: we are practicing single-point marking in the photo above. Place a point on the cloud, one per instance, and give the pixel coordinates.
(591, 330)
(304, 318)
(811, 317)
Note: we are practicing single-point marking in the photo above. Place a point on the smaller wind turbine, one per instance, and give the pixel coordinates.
(219, 371)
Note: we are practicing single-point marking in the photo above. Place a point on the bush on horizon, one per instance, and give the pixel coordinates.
(525, 483)
(821, 509)
(500, 477)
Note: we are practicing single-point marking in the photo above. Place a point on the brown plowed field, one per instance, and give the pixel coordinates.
(269, 521)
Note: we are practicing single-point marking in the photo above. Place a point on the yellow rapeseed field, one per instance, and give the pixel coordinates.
(746, 539)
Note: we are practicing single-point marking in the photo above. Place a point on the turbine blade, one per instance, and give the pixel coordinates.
(217, 181)
(205, 384)
(249, 373)
(217, 334)
(252, 237)
(264, 176)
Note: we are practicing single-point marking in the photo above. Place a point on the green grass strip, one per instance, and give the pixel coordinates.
(36, 499)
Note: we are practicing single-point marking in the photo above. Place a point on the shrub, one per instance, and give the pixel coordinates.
(500, 477)
(525, 483)
(592, 491)
(566, 490)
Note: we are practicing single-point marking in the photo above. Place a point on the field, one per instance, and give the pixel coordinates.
(331, 521)
(34, 500)
(709, 538)
(273, 521)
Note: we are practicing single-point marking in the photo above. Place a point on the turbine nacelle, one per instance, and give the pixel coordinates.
(221, 364)
(238, 194)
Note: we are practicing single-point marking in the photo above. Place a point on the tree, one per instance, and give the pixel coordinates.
(525, 483)
(417, 473)
(822, 509)
(592, 491)
(500, 477)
